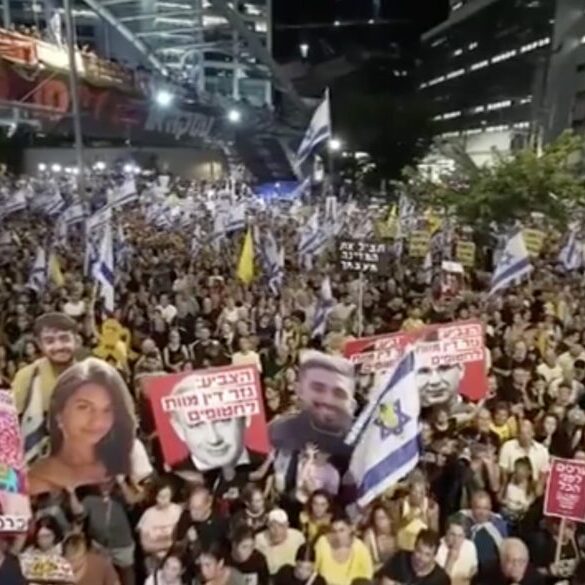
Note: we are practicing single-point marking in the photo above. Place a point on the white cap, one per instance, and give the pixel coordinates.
(277, 515)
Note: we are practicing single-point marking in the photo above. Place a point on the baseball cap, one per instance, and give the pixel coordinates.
(279, 516)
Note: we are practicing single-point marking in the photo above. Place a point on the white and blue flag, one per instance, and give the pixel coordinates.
(513, 264)
(571, 255)
(37, 279)
(385, 436)
(318, 132)
(75, 213)
(104, 271)
(324, 307)
(15, 203)
(126, 193)
(236, 218)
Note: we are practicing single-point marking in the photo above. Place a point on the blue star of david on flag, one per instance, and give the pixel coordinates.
(391, 419)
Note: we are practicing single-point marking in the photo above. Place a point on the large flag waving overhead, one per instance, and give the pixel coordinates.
(104, 271)
(571, 256)
(324, 307)
(318, 132)
(513, 264)
(386, 434)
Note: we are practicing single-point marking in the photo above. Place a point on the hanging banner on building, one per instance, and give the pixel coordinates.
(534, 240)
(450, 359)
(466, 253)
(419, 243)
(565, 490)
(365, 256)
(208, 419)
(15, 510)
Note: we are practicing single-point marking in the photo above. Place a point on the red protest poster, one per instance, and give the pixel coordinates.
(15, 510)
(208, 419)
(565, 490)
(450, 359)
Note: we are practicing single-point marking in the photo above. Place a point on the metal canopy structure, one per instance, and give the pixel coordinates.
(219, 47)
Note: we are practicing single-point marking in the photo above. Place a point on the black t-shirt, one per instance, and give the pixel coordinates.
(399, 568)
(254, 570)
(214, 529)
(10, 572)
(286, 576)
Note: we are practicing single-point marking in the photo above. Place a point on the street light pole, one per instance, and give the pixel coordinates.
(74, 91)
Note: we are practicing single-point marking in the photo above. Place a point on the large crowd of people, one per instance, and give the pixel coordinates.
(470, 513)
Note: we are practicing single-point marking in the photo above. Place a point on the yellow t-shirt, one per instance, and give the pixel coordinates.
(23, 379)
(359, 564)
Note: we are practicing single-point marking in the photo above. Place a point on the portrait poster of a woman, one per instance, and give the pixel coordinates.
(91, 426)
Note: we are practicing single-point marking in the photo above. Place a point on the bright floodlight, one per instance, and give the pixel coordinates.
(234, 116)
(164, 98)
(100, 165)
(304, 47)
(128, 168)
(56, 168)
(335, 144)
(136, 170)
(42, 167)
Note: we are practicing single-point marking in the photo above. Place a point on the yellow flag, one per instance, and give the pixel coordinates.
(246, 262)
(55, 273)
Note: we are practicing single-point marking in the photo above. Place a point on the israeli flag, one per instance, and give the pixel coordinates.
(319, 131)
(272, 260)
(236, 218)
(74, 214)
(325, 305)
(99, 220)
(513, 264)
(104, 272)
(386, 434)
(53, 204)
(219, 231)
(126, 193)
(16, 203)
(37, 279)
(571, 256)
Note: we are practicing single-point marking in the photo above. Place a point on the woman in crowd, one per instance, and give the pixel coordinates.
(379, 535)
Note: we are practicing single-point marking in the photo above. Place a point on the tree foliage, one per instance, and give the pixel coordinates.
(551, 182)
(394, 131)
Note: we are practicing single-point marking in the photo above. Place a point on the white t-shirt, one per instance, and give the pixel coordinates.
(168, 313)
(465, 566)
(548, 373)
(243, 359)
(512, 451)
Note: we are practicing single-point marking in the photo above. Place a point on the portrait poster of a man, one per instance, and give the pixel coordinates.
(325, 392)
(209, 419)
(450, 360)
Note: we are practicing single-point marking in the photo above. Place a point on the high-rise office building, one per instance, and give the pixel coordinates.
(485, 70)
(191, 38)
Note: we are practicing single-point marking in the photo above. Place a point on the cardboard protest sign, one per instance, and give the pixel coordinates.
(565, 490)
(534, 240)
(15, 510)
(419, 243)
(365, 256)
(452, 279)
(207, 419)
(325, 394)
(91, 418)
(450, 359)
(465, 253)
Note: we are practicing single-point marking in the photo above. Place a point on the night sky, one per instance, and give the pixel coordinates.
(410, 18)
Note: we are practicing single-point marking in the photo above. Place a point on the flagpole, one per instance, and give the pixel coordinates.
(330, 152)
(360, 330)
(74, 90)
